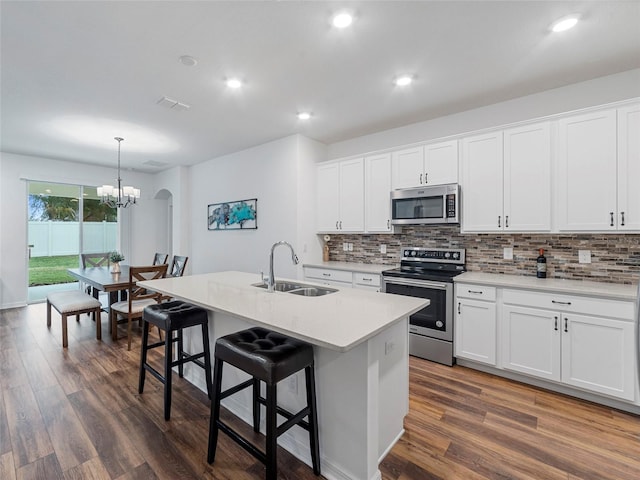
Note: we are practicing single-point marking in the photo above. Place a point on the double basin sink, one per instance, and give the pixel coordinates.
(298, 288)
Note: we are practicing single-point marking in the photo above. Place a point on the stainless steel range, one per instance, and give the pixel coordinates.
(428, 273)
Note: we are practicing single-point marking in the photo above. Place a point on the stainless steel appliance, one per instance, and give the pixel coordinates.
(433, 204)
(428, 273)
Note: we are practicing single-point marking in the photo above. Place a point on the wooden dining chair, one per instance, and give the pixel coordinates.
(94, 260)
(160, 258)
(139, 298)
(178, 265)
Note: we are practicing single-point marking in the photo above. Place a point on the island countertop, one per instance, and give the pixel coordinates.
(338, 321)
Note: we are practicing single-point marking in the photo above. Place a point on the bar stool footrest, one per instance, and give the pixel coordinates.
(243, 442)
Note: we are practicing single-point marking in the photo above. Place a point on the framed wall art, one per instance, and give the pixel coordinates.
(236, 215)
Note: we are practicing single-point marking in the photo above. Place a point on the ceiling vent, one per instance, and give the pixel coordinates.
(173, 104)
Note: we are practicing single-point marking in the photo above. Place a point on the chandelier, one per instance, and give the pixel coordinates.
(119, 196)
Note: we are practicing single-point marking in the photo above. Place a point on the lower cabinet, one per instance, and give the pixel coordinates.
(343, 278)
(475, 326)
(573, 343)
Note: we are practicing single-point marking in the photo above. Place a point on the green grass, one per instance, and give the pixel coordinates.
(51, 270)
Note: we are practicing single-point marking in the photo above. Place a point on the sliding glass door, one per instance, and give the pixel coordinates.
(63, 222)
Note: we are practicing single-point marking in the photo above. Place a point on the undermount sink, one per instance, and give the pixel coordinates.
(313, 291)
(298, 288)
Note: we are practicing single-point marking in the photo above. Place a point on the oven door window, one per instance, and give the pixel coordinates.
(433, 317)
(418, 208)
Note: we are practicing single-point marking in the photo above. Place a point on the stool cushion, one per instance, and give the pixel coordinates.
(72, 301)
(266, 355)
(174, 315)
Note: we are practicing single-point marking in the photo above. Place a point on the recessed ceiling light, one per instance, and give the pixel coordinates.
(304, 115)
(403, 80)
(234, 83)
(342, 20)
(188, 60)
(565, 23)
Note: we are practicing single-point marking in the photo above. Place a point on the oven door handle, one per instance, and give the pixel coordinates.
(417, 283)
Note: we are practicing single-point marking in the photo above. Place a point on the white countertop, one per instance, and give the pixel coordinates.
(351, 266)
(338, 321)
(576, 287)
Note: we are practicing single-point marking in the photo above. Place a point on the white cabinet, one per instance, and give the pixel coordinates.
(531, 341)
(433, 164)
(506, 180)
(579, 341)
(378, 193)
(481, 183)
(343, 278)
(629, 168)
(475, 327)
(587, 172)
(340, 196)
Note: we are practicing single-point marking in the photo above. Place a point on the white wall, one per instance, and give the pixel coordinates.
(136, 222)
(281, 175)
(595, 92)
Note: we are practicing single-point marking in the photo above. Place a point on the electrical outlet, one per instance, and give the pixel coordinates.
(584, 256)
(351, 247)
(383, 248)
(345, 247)
(388, 347)
(507, 253)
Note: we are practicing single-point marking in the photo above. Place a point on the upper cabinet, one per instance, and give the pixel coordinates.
(433, 164)
(340, 196)
(587, 173)
(506, 180)
(629, 168)
(378, 189)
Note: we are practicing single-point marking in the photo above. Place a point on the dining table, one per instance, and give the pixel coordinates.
(102, 279)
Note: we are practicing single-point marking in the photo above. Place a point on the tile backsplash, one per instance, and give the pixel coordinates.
(615, 258)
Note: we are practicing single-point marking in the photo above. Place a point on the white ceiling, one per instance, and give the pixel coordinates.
(69, 70)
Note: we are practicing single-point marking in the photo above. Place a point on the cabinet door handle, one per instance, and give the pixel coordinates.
(499, 217)
(565, 324)
(611, 214)
(555, 323)
(560, 303)
(477, 292)
(506, 221)
(426, 178)
(622, 218)
(326, 274)
(420, 179)
(365, 279)
(340, 224)
(458, 308)
(336, 224)
(388, 225)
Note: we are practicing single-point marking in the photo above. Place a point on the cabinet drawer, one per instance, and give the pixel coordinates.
(369, 279)
(327, 274)
(570, 303)
(477, 292)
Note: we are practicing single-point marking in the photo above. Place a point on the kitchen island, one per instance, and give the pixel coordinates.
(360, 343)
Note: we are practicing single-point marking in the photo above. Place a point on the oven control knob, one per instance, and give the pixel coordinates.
(447, 255)
(414, 253)
(456, 256)
(439, 324)
(406, 253)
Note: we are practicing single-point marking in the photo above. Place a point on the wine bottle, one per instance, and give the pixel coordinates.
(541, 265)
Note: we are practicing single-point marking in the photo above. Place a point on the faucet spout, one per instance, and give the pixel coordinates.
(294, 258)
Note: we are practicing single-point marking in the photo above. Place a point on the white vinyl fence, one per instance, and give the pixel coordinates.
(51, 239)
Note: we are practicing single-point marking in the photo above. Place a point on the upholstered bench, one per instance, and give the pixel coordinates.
(73, 302)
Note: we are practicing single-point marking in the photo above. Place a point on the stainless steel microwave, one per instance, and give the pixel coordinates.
(426, 205)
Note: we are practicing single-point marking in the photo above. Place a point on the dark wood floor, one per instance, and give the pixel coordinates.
(76, 414)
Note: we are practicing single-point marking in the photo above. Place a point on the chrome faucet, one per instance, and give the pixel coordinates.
(271, 281)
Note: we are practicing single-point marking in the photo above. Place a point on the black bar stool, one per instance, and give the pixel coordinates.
(268, 357)
(173, 317)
